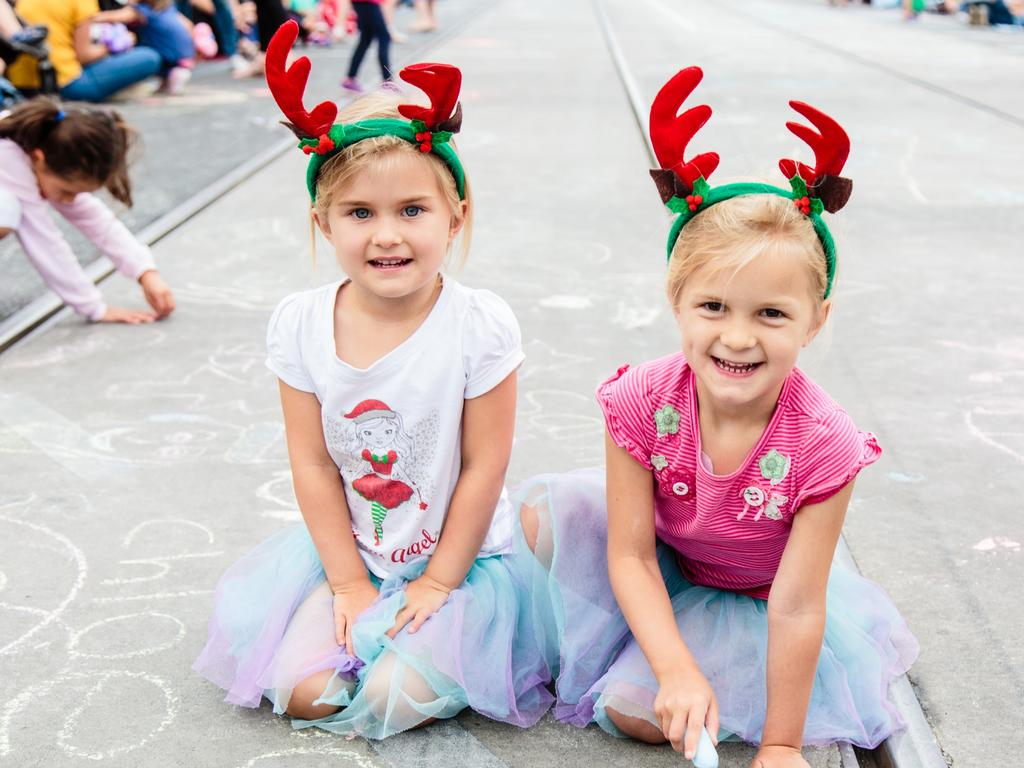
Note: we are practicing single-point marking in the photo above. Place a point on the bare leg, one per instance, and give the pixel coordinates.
(536, 521)
(301, 642)
(392, 690)
(636, 728)
(9, 23)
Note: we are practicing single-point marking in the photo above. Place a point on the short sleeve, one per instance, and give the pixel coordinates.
(832, 455)
(284, 353)
(492, 345)
(625, 400)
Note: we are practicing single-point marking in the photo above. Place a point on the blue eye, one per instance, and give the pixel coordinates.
(360, 213)
(412, 211)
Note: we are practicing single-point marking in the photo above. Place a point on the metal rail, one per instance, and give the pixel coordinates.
(41, 313)
(914, 747)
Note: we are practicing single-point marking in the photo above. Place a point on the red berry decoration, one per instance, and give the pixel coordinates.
(325, 144)
(694, 201)
(425, 146)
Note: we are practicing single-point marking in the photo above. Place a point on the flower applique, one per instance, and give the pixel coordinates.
(658, 462)
(765, 502)
(666, 420)
(774, 466)
(678, 482)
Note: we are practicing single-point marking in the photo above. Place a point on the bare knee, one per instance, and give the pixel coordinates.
(636, 727)
(392, 688)
(531, 525)
(307, 691)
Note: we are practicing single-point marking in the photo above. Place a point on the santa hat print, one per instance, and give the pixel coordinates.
(369, 409)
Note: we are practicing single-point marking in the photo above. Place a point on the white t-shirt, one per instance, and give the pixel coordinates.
(394, 429)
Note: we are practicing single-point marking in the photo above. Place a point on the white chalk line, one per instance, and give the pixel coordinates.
(55, 614)
(163, 564)
(77, 636)
(15, 705)
(130, 536)
(151, 596)
(360, 760)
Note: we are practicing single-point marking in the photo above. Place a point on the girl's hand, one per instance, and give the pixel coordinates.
(685, 703)
(129, 316)
(423, 598)
(779, 757)
(157, 293)
(350, 600)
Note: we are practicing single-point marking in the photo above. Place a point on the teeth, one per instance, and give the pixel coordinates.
(734, 367)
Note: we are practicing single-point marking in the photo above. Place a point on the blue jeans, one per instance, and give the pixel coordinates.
(106, 76)
(165, 34)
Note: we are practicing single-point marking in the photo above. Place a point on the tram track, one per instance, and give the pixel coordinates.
(916, 746)
(47, 310)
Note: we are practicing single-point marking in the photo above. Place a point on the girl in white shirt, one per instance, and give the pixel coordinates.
(399, 599)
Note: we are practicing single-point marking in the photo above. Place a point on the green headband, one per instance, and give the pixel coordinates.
(429, 128)
(343, 135)
(704, 197)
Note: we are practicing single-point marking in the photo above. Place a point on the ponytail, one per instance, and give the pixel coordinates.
(78, 141)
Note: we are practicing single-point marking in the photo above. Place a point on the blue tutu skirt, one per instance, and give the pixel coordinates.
(273, 626)
(599, 664)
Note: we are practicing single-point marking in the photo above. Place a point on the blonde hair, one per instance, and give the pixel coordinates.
(731, 234)
(339, 170)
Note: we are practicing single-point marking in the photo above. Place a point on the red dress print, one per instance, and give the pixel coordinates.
(378, 486)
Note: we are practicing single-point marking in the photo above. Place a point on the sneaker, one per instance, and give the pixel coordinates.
(351, 85)
(204, 40)
(176, 80)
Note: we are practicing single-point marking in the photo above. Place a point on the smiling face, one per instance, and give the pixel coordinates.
(377, 434)
(742, 330)
(391, 226)
(57, 189)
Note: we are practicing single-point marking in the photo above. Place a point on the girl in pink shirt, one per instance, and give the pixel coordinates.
(56, 157)
(693, 584)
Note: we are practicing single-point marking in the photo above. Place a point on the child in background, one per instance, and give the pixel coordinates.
(398, 599)
(159, 26)
(372, 27)
(694, 583)
(55, 157)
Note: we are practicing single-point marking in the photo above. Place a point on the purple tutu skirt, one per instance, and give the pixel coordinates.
(273, 626)
(599, 665)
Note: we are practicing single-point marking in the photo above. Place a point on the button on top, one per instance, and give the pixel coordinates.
(680, 489)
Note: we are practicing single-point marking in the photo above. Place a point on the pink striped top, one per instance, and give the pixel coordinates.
(730, 530)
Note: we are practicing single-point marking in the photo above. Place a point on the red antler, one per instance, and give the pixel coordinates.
(670, 131)
(441, 82)
(831, 145)
(288, 85)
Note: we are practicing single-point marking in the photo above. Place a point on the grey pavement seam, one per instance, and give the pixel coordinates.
(916, 747)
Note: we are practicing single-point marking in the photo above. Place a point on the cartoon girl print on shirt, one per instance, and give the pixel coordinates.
(382, 442)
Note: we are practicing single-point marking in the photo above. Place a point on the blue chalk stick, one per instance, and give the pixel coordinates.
(707, 756)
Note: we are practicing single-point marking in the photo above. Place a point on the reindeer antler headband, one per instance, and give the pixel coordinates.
(430, 128)
(683, 183)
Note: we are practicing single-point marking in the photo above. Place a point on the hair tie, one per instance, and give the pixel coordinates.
(59, 117)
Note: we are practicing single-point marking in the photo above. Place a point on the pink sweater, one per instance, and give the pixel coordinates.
(730, 530)
(47, 249)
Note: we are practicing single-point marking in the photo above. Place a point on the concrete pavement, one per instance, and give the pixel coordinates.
(139, 462)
